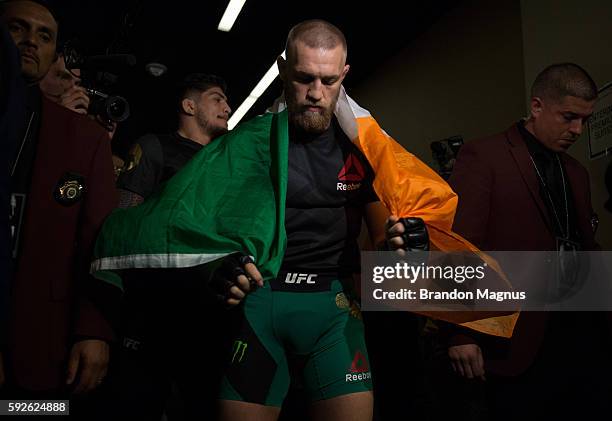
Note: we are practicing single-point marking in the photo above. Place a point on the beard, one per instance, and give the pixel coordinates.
(212, 129)
(309, 121)
(216, 131)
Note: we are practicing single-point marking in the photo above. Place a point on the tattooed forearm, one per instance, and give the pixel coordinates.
(127, 199)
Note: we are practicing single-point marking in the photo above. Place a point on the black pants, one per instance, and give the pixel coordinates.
(171, 356)
(571, 378)
(394, 346)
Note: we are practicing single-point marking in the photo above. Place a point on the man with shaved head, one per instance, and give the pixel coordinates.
(310, 46)
(305, 328)
(520, 190)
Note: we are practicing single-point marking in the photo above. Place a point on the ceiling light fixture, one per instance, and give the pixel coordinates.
(229, 16)
(156, 69)
(257, 91)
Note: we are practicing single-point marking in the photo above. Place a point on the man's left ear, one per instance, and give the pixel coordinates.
(536, 106)
(345, 71)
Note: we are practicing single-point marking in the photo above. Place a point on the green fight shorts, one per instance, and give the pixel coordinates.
(299, 329)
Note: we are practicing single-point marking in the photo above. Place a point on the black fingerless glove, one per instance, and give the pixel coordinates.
(223, 277)
(415, 236)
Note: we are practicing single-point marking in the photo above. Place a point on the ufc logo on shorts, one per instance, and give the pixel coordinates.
(299, 278)
(131, 343)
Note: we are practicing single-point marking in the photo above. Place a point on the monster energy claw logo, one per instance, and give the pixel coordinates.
(239, 350)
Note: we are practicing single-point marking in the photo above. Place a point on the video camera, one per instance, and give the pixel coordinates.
(112, 108)
(444, 153)
(96, 77)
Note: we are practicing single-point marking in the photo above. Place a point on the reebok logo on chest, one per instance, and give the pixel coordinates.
(351, 175)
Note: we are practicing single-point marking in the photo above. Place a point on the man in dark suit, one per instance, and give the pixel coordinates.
(12, 111)
(519, 190)
(62, 188)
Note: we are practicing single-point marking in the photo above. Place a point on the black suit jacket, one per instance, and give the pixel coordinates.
(12, 114)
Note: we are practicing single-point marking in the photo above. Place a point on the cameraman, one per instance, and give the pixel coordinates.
(63, 86)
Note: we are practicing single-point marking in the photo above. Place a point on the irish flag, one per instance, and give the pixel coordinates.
(231, 197)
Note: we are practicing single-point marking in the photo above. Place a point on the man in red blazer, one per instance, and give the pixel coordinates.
(519, 190)
(62, 189)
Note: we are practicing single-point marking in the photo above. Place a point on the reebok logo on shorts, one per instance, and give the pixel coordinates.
(360, 370)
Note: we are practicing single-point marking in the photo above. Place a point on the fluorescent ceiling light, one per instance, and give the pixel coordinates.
(156, 69)
(229, 16)
(257, 91)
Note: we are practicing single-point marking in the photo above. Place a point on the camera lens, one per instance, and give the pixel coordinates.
(117, 109)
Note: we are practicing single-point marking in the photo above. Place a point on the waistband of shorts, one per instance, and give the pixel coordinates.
(305, 281)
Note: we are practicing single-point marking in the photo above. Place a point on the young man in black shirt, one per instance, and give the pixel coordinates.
(168, 336)
(202, 116)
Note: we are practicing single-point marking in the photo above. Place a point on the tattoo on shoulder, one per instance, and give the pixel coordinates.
(128, 199)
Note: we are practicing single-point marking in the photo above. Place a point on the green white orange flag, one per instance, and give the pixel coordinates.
(231, 197)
